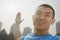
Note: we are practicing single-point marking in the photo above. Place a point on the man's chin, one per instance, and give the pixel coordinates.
(40, 29)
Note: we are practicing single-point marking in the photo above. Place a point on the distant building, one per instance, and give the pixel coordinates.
(26, 31)
(58, 28)
(0, 26)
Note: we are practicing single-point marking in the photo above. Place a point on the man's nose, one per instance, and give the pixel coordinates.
(42, 17)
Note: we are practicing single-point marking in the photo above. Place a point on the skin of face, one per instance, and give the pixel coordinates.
(43, 18)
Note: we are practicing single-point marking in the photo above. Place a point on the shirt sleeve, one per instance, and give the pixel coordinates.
(23, 37)
(59, 38)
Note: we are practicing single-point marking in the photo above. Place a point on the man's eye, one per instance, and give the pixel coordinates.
(47, 15)
(38, 13)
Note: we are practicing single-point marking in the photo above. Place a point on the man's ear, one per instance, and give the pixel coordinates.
(53, 21)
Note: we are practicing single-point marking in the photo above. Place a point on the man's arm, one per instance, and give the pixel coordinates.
(17, 33)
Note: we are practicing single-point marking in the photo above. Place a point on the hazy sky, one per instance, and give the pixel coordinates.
(9, 8)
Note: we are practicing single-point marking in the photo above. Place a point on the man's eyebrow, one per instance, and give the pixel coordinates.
(48, 12)
(38, 11)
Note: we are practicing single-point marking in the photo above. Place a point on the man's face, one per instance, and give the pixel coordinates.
(43, 18)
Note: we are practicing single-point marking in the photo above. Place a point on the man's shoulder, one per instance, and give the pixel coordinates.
(50, 37)
(27, 36)
(56, 37)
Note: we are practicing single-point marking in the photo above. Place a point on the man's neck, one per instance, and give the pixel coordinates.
(40, 32)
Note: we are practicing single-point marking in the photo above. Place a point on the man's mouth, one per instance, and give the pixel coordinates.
(41, 22)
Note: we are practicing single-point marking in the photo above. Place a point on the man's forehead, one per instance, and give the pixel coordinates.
(44, 9)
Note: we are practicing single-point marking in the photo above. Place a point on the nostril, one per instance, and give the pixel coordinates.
(38, 20)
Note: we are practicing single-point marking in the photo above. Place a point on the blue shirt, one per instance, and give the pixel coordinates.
(44, 37)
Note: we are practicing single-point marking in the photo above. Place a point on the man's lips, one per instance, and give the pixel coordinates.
(41, 22)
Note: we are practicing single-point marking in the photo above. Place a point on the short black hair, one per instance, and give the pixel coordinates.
(48, 6)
